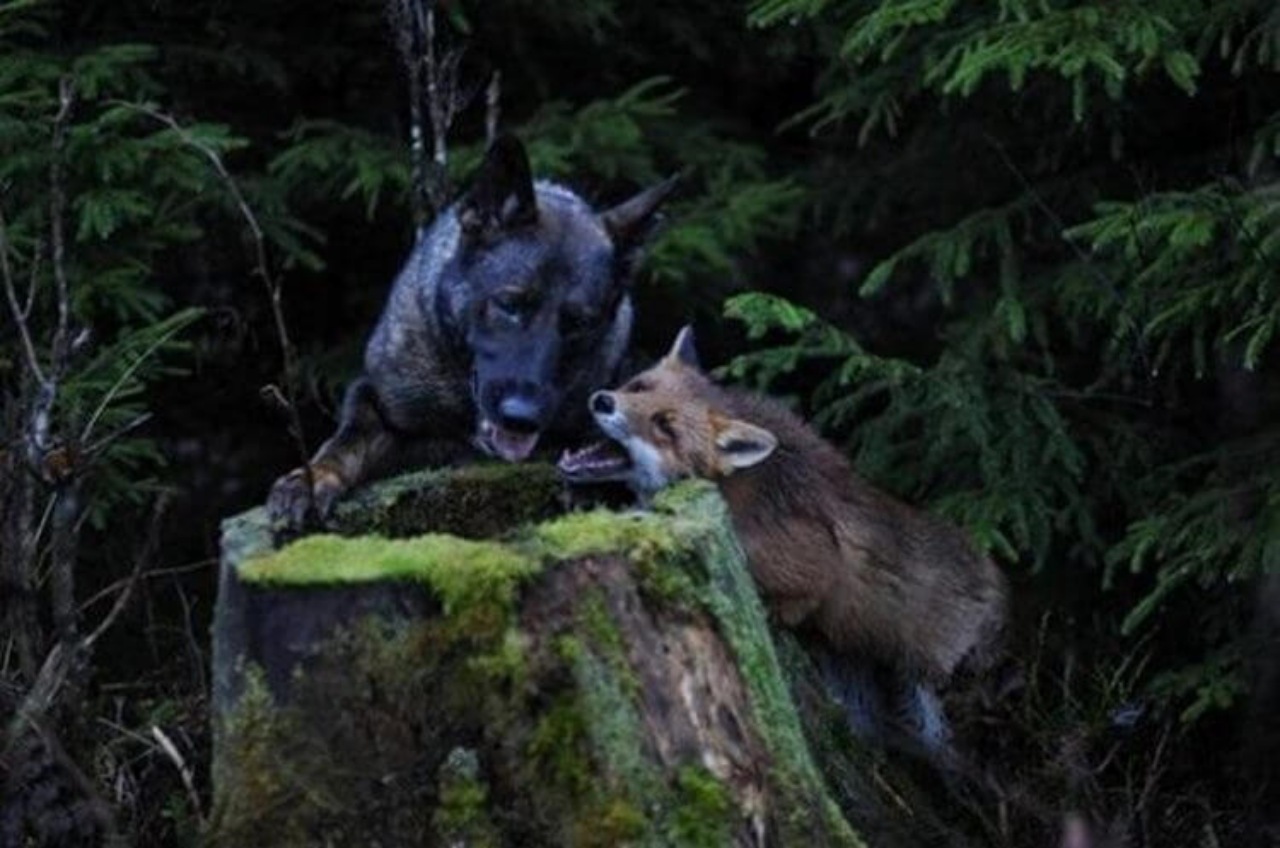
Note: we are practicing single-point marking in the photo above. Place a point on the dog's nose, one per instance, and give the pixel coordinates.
(519, 414)
(602, 403)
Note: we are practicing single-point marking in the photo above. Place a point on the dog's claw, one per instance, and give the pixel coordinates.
(291, 506)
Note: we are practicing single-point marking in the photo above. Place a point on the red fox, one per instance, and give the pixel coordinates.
(876, 579)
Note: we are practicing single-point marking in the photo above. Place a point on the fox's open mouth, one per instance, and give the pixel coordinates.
(602, 460)
(511, 445)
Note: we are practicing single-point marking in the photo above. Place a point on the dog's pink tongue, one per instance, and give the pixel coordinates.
(513, 447)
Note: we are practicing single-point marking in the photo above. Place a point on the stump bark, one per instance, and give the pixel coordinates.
(462, 664)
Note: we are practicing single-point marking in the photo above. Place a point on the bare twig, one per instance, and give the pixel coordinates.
(33, 282)
(120, 382)
(188, 778)
(64, 530)
(433, 94)
(92, 450)
(492, 107)
(148, 552)
(403, 19)
(65, 525)
(19, 314)
(438, 99)
(150, 574)
(57, 240)
(261, 267)
(44, 691)
(193, 643)
(17, 489)
(67, 658)
(1154, 771)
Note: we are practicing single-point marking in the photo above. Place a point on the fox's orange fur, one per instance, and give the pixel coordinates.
(829, 551)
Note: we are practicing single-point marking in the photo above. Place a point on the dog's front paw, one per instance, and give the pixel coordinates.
(291, 504)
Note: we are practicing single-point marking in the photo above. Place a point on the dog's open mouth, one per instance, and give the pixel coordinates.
(602, 460)
(511, 445)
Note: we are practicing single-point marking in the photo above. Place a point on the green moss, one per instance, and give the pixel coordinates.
(688, 498)
(613, 822)
(458, 571)
(254, 784)
(506, 663)
(475, 501)
(635, 534)
(735, 604)
(370, 714)
(386, 692)
(704, 812)
(599, 626)
(658, 543)
(462, 814)
(615, 732)
(557, 749)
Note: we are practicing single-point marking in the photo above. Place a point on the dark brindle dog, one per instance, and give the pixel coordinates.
(512, 309)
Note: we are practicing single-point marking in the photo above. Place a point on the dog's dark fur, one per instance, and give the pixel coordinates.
(513, 307)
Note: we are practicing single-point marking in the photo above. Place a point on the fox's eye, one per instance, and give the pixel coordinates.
(635, 387)
(664, 423)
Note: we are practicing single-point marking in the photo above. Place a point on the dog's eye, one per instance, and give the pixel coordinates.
(575, 321)
(508, 307)
(635, 387)
(664, 423)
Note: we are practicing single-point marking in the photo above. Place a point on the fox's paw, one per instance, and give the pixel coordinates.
(291, 506)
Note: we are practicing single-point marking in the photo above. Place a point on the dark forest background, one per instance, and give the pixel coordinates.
(1021, 259)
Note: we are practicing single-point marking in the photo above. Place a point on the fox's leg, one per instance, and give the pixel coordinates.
(924, 724)
(362, 445)
(924, 714)
(852, 682)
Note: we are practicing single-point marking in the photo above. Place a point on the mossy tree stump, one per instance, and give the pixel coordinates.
(593, 678)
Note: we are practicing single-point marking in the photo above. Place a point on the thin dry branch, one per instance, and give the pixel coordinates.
(492, 107)
(33, 282)
(433, 74)
(64, 548)
(65, 525)
(148, 552)
(439, 99)
(67, 659)
(403, 17)
(261, 267)
(184, 770)
(150, 574)
(61, 347)
(20, 315)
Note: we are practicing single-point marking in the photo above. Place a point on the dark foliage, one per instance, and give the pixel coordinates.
(1020, 258)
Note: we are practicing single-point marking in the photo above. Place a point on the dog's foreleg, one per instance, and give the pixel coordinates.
(362, 445)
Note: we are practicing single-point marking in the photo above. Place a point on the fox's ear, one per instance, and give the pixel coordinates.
(742, 445)
(682, 349)
(501, 195)
(630, 222)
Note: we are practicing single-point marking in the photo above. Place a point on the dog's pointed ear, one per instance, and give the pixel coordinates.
(501, 196)
(630, 221)
(741, 444)
(683, 350)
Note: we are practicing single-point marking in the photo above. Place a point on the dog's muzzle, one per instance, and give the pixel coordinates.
(511, 434)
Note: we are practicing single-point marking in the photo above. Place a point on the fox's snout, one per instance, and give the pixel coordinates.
(610, 415)
(603, 403)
